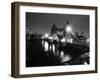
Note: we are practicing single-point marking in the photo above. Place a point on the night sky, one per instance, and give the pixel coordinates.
(41, 22)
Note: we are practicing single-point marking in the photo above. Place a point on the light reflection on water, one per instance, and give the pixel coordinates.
(46, 46)
(52, 48)
(66, 58)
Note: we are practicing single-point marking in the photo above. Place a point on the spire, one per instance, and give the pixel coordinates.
(67, 22)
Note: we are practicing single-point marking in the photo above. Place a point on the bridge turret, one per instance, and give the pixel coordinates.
(67, 32)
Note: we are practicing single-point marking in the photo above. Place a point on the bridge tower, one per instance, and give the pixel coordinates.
(64, 32)
(67, 32)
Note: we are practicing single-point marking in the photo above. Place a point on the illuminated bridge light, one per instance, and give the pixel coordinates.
(46, 35)
(71, 40)
(63, 40)
(68, 29)
(42, 37)
(51, 38)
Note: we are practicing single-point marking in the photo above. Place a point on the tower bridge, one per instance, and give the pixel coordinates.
(65, 34)
(62, 41)
(61, 45)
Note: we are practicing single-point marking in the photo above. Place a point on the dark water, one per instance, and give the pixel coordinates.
(37, 56)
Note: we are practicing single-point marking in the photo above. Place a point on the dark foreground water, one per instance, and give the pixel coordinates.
(70, 54)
